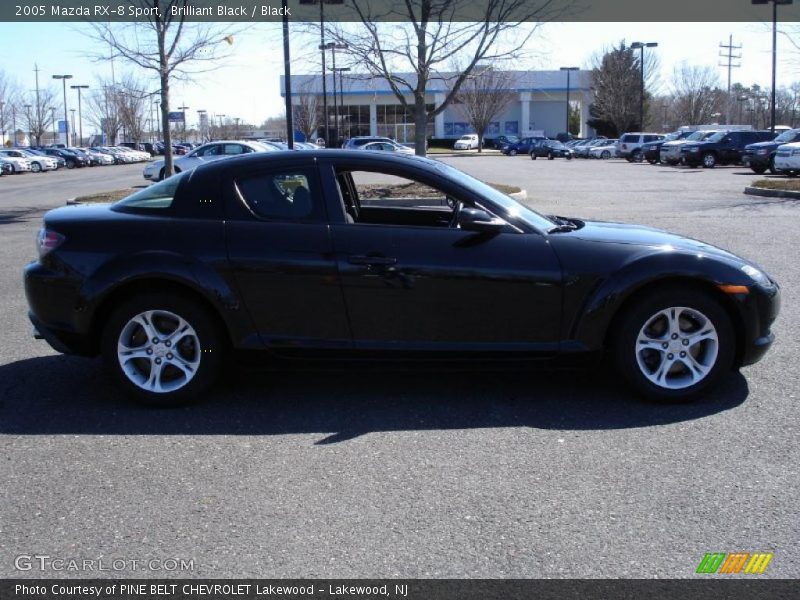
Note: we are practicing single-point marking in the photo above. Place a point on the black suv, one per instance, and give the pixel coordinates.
(722, 148)
(761, 155)
(71, 159)
(551, 149)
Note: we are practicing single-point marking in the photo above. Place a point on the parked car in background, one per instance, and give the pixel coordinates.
(119, 157)
(722, 148)
(652, 150)
(500, 141)
(388, 147)
(354, 143)
(98, 158)
(91, 160)
(787, 159)
(206, 153)
(60, 162)
(138, 155)
(582, 148)
(467, 142)
(292, 256)
(15, 164)
(630, 144)
(604, 149)
(670, 153)
(760, 156)
(71, 160)
(38, 162)
(549, 149)
(523, 146)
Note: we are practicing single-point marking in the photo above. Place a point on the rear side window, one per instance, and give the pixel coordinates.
(628, 138)
(157, 196)
(282, 195)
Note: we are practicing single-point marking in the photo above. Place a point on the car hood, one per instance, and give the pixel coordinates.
(639, 235)
(768, 145)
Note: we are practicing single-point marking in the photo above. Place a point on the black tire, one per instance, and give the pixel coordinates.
(70, 164)
(533, 156)
(771, 167)
(550, 156)
(637, 156)
(605, 154)
(652, 161)
(759, 170)
(210, 352)
(709, 160)
(161, 175)
(512, 152)
(568, 156)
(627, 329)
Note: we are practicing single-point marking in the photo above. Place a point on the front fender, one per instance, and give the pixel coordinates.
(604, 302)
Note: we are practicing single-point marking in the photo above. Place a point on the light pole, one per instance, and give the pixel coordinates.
(775, 4)
(641, 46)
(80, 114)
(568, 70)
(28, 108)
(340, 70)
(72, 110)
(333, 47)
(183, 109)
(220, 117)
(202, 118)
(55, 129)
(63, 79)
(3, 123)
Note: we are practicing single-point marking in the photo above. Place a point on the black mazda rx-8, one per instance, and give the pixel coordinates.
(298, 252)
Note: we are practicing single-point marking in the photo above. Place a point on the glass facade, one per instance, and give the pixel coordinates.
(353, 120)
(396, 122)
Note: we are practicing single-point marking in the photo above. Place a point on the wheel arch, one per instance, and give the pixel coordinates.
(677, 282)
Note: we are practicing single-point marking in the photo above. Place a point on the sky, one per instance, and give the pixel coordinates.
(246, 85)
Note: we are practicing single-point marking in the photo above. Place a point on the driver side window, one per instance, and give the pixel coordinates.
(371, 198)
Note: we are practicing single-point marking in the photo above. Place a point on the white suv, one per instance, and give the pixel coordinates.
(630, 145)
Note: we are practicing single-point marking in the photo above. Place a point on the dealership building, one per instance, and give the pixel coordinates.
(367, 105)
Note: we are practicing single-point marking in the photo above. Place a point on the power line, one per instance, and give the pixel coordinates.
(727, 52)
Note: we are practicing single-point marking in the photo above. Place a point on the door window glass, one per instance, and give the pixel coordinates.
(288, 195)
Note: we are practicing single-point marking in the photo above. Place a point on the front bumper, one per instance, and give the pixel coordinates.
(759, 310)
(787, 163)
(756, 160)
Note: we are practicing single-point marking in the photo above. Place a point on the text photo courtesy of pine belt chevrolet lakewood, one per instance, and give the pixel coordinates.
(286, 252)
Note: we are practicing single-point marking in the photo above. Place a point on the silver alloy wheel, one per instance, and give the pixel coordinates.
(159, 351)
(36, 167)
(709, 160)
(677, 347)
(605, 154)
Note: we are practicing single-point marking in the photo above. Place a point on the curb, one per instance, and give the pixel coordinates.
(73, 202)
(767, 193)
(519, 196)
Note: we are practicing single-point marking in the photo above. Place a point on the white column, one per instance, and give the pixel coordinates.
(373, 118)
(438, 120)
(584, 115)
(525, 116)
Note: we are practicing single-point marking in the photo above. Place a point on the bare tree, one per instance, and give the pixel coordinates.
(305, 112)
(9, 99)
(132, 106)
(697, 97)
(483, 96)
(39, 113)
(166, 44)
(102, 110)
(424, 37)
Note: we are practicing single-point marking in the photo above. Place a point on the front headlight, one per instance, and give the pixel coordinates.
(762, 152)
(759, 277)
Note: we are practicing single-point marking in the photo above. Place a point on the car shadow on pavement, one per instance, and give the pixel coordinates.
(68, 395)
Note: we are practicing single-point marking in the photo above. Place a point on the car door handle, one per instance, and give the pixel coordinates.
(371, 260)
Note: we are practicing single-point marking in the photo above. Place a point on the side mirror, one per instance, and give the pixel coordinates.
(476, 219)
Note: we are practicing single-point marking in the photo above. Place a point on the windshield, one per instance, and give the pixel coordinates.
(514, 208)
(697, 135)
(466, 137)
(788, 136)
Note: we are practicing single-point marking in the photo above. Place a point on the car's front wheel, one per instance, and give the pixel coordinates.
(512, 152)
(672, 346)
(533, 156)
(36, 167)
(709, 160)
(163, 349)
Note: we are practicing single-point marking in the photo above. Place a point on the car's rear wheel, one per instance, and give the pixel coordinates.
(672, 346)
(36, 167)
(512, 152)
(533, 155)
(759, 170)
(161, 175)
(637, 156)
(652, 161)
(71, 164)
(605, 154)
(162, 349)
(550, 156)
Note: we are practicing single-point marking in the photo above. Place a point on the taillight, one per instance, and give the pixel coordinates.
(47, 241)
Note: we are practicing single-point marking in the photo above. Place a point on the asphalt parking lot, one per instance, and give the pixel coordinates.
(413, 472)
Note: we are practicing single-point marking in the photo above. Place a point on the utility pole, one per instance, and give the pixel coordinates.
(727, 52)
(38, 106)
